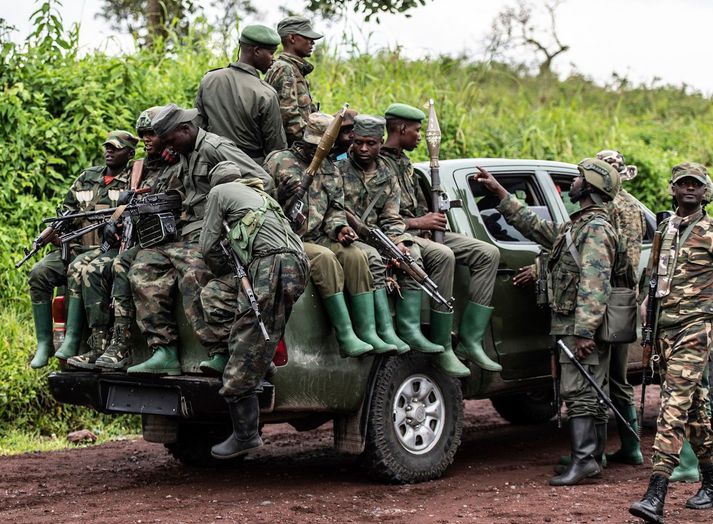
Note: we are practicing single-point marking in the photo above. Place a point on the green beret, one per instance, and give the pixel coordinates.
(369, 125)
(404, 111)
(689, 169)
(121, 139)
(297, 25)
(170, 117)
(259, 35)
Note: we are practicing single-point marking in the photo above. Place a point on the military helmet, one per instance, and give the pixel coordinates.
(143, 123)
(601, 175)
(616, 160)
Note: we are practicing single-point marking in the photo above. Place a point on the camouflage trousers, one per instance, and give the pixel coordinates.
(577, 394)
(123, 298)
(94, 270)
(683, 415)
(278, 281)
(620, 391)
(50, 273)
(157, 275)
(333, 267)
(440, 262)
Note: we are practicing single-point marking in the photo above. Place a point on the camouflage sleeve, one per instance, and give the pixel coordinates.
(335, 218)
(249, 169)
(390, 220)
(632, 228)
(285, 83)
(537, 229)
(273, 132)
(70, 202)
(596, 244)
(211, 235)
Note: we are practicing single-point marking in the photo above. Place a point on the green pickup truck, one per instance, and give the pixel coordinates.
(401, 414)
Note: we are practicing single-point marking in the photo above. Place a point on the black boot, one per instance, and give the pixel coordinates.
(244, 413)
(704, 498)
(583, 436)
(650, 508)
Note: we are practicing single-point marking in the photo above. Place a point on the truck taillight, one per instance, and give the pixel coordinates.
(59, 319)
(280, 358)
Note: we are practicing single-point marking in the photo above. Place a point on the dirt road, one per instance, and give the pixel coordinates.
(500, 475)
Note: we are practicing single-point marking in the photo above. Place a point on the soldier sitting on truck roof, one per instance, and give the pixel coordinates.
(403, 124)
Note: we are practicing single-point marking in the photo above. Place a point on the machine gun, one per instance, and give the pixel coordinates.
(649, 331)
(45, 237)
(242, 277)
(406, 263)
(295, 206)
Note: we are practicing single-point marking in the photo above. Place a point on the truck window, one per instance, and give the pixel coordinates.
(525, 188)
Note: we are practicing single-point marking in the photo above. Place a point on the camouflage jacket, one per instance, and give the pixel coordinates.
(323, 203)
(288, 76)
(628, 219)
(161, 176)
(358, 194)
(691, 296)
(210, 149)
(413, 202)
(233, 102)
(577, 297)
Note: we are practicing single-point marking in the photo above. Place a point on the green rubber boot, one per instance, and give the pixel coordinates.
(441, 328)
(351, 345)
(687, 469)
(472, 329)
(73, 335)
(164, 361)
(215, 365)
(630, 451)
(42, 313)
(384, 324)
(408, 322)
(364, 321)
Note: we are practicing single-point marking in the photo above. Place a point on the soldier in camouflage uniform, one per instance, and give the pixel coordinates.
(372, 196)
(275, 263)
(99, 188)
(233, 102)
(578, 293)
(684, 335)
(328, 239)
(159, 272)
(403, 125)
(288, 74)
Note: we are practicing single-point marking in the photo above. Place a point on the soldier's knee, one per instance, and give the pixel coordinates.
(442, 255)
(323, 261)
(353, 257)
(491, 254)
(38, 274)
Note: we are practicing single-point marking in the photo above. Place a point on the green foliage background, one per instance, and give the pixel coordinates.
(56, 107)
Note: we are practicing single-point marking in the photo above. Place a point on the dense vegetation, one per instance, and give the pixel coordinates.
(57, 105)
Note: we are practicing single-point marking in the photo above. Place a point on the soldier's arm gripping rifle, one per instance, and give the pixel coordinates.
(47, 235)
(242, 277)
(649, 330)
(295, 206)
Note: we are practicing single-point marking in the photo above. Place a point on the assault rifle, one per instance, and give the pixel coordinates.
(600, 392)
(45, 237)
(406, 263)
(295, 206)
(242, 277)
(649, 331)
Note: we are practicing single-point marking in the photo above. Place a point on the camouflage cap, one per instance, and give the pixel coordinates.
(689, 169)
(616, 160)
(369, 125)
(349, 116)
(259, 35)
(317, 124)
(143, 123)
(405, 112)
(297, 25)
(170, 117)
(120, 139)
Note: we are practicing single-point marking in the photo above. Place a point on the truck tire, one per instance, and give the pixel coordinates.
(415, 421)
(533, 407)
(192, 448)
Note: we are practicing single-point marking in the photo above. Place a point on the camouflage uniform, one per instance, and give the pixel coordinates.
(440, 260)
(233, 102)
(288, 76)
(277, 270)
(577, 296)
(685, 336)
(324, 205)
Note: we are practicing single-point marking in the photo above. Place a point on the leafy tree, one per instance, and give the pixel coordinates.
(368, 8)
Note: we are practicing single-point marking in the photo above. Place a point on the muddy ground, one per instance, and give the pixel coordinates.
(500, 475)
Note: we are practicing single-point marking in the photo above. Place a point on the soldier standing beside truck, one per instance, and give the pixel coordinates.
(580, 265)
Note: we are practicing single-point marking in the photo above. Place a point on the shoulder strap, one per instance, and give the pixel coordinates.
(572, 250)
(372, 203)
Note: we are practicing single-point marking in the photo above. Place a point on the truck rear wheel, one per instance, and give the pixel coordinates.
(415, 421)
(194, 441)
(533, 407)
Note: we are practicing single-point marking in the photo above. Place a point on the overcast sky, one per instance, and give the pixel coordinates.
(641, 39)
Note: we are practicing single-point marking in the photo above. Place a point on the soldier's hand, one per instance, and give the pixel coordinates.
(286, 190)
(346, 236)
(642, 311)
(583, 347)
(488, 180)
(402, 247)
(54, 239)
(525, 276)
(432, 221)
